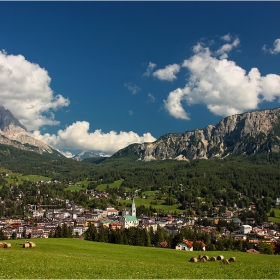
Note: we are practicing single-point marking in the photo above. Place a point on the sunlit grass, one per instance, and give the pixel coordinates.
(35, 178)
(114, 185)
(73, 259)
(275, 219)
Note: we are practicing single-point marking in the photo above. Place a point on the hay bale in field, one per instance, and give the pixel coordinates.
(225, 261)
(7, 245)
(29, 244)
(206, 258)
(25, 245)
(220, 257)
(193, 259)
(32, 244)
(232, 259)
(202, 260)
(213, 259)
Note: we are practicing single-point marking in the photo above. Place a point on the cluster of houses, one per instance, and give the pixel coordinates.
(44, 221)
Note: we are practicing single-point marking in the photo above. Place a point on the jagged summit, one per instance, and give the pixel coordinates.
(257, 131)
(7, 119)
(13, 133)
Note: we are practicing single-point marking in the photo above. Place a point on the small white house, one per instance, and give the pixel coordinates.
(185, 245)
(244, 229)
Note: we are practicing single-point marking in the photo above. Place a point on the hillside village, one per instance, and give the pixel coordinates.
(41, 221)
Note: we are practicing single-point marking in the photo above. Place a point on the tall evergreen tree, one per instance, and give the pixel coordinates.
(91, 233)
(103, 234)
(65, 231)
(58, 232)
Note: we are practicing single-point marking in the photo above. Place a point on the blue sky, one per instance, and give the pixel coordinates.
(102, 75)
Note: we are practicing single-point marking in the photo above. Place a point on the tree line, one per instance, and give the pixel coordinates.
(137, 236)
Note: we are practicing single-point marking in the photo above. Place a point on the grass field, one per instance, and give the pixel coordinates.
(19, 178)
(275, 219)
(78, 259)
(114, 185)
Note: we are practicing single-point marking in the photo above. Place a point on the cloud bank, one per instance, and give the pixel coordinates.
(220, 84)
(78, 137)
(25, 90)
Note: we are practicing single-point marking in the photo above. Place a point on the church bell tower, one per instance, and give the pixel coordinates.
(133, 209)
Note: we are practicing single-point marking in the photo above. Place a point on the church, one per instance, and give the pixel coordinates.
(129, 220)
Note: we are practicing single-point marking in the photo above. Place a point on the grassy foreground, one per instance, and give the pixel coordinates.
(73, 259)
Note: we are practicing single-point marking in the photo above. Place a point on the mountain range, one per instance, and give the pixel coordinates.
(250, 133)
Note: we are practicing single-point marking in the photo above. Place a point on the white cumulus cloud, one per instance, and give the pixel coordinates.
(25, 88)
(173, 104)
(226, 48)
(276, 47)
(78, 137)
(221, 85)
(168, 73)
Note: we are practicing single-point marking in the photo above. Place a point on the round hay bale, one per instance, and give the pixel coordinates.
(202, 260)
(225, 261)
(7, 245)
(25, 245)
(213, 259)
(32, 244)
(193, 259)
(220, 257)
(232, 259)
(206, 258)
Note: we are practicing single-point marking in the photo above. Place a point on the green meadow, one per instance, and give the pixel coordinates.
(115, 185)
(16, 178)
(275, 219)
(79, 259)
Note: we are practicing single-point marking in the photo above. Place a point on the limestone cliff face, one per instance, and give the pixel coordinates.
(258, 131)
(13, 133)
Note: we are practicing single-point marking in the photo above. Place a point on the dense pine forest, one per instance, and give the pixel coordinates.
(199, 184)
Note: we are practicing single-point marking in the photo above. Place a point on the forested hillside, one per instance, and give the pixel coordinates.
(198, 184)
(55, 167)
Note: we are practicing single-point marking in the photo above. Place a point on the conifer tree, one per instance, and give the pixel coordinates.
(65, 231)
(91, 233)
(58, 232)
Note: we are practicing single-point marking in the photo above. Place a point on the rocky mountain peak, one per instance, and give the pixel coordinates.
(7, 119)
(250, 132)
(13, 133)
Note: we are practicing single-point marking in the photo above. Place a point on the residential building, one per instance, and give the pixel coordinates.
(245, 229)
